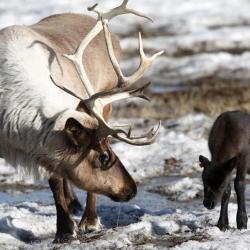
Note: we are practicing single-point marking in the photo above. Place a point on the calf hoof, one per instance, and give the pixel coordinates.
(241, 220)
(222, 226)
(75, 207)
(88, 225)
(242, 225)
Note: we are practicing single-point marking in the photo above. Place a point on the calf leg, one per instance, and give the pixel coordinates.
(90, 220)
(240, 184)
(223, 220)
(71, 199)
(64, 222)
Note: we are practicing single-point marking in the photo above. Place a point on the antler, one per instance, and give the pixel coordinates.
(106, 97)
(76, 58)
(120, 10)
(105, 130)
(146, 62)
(97, 101)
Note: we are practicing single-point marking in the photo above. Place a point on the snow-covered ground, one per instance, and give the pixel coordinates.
(167, 212)
(29, 225)
(202, 39)
(181, 142)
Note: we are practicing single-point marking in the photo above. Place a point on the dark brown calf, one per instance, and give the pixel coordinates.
(229, 146)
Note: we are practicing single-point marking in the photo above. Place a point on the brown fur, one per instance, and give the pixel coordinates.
(64, 33)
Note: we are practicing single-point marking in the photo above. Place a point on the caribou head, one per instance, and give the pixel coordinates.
(92, 165)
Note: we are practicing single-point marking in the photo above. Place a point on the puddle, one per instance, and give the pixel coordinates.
(144, 198)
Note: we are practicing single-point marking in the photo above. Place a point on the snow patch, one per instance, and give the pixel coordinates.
(185, 189)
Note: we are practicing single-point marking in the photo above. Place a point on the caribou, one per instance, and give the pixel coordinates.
(58, 80)
(229, 147)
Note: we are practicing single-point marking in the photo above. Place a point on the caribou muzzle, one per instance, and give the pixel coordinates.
(126, 194)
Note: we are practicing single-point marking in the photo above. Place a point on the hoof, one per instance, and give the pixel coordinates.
(64, 238)
(223, 227)
(242, 226)
(75, 207)
(90, 225)
(241, 220)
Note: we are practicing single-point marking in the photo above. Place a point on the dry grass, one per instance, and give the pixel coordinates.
(210, 96)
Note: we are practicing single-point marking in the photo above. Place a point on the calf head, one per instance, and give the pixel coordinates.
(215, 179)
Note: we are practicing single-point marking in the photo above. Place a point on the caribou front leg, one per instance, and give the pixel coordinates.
(223, 220)
(90, 220)
(64, 223)
(71, 199)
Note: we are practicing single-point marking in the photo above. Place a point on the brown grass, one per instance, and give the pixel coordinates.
(209, 96)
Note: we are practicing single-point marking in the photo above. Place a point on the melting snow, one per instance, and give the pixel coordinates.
(179, 224)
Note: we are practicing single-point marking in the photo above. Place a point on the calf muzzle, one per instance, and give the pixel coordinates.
(209, 204)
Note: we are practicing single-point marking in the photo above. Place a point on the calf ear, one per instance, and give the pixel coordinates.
(203, 161)
(76, 133)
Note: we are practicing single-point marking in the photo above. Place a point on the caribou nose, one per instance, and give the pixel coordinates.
(125, 195)
(128, 193)
(131, 193)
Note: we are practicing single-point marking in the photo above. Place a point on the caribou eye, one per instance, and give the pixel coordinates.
(104, 159)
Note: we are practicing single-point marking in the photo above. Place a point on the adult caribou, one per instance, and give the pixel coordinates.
(58, 79)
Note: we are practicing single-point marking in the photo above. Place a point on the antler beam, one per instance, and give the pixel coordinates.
(146, 62)
(97, 101)
(76, 58)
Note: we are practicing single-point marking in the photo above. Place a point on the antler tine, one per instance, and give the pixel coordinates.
(146, 139)
(115, 94)
(146, 62)
(122, 81)
(76, 58)
(120, 10)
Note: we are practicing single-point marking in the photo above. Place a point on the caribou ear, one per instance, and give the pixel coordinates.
(78, 126)
(77, 134)
(203, 161)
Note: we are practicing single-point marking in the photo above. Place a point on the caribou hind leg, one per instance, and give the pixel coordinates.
(90, 220)
(64, 224)
(240, 186)
(71, 199)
